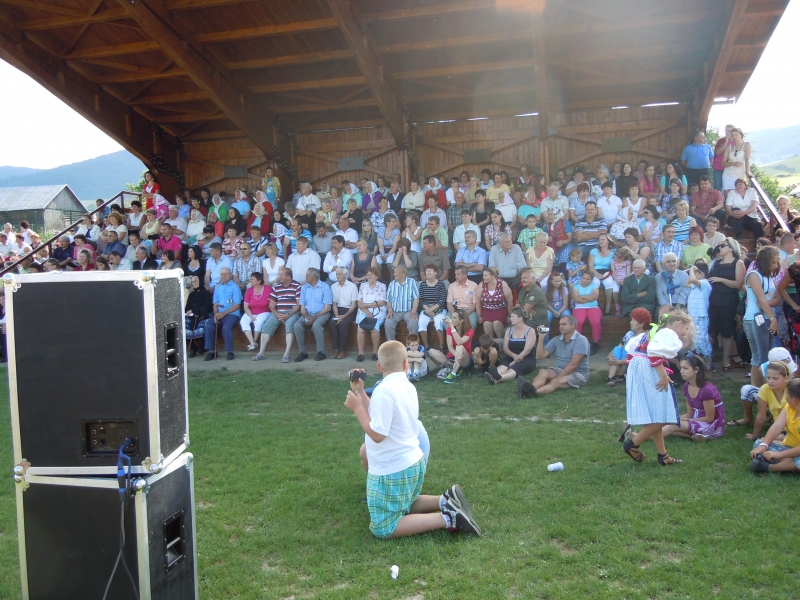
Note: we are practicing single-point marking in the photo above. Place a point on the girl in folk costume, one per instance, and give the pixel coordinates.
(436, 190)
(150, 188)
(161, 205)
(651, 400)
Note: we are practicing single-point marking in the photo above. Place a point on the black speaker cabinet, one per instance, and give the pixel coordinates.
(93, 358)
(69, 532)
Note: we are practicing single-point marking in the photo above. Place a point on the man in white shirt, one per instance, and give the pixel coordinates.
(339, 256)
(345, 308)
(302, 260)
(308, 201)
(178, 225)
(466, 225)
(118, 263)
(5, 248)
(556, 201)
(349, 234)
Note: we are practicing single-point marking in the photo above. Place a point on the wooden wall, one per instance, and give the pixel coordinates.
(657, 134)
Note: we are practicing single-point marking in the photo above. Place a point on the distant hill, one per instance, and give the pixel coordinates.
(101, 177)
(771, 145)
(6, 172)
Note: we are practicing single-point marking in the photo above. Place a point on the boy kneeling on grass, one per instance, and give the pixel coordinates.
(396, 464)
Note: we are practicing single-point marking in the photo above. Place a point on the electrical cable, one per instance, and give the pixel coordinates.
(124, 486)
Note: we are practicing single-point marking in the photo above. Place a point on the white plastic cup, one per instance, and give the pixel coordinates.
(395, 571)
(556, 467)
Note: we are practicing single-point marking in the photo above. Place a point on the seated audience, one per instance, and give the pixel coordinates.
(473, 257)
(486, 354)
(494, 299)
(372, 311)
(432, 305)
(671, 289)
(461, 294)
(345, 306)
(571, 367)
(303, 259)
(741, 208)
(315, 310)
(227, 311)
(509, 259)
(459, 347)
(284, 306)
(588, 229)
(402, 303)
(532, 300)
(706, 203)
(771, 453)
(256, 309)
(519, 348)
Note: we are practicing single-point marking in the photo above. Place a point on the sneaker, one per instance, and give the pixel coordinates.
(451, 377)
(526, 389)
(759, 465)
(460, 521)
(252, 347)
(455, 495)
(699, 437)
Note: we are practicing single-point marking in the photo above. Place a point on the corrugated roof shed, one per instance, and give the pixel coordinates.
(32, 198)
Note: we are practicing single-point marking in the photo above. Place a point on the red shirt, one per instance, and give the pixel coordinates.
(467, 345)
(153, 188)
(704, 202)
(258, 305)
(173, 243)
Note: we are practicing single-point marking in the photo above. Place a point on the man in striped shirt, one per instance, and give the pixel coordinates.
(588, 229)
(665, 246)
(402, 301)
(284, 303)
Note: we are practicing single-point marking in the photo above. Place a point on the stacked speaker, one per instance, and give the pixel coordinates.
(96, 362)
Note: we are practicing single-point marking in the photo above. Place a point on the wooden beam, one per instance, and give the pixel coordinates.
(268, 31)
(438, 9)
(214, 135)
(294, 59)
(656, 131)
(651, 152)
(301, 108)
(422, 141)
(206, 70)
(759, 42)
(133, 77)
(172, 98)
(76, 38)
(114, 118)
(371, 67)
(141, 89)
(351, 146)
(372, 169)
(516, 140)
(189, 118)
(341, 125)
(724, 47)
(117, 50)
(85, 20)
(580, 159)
(455, 42)
(45, 7)
(269, 88)
(577, 138)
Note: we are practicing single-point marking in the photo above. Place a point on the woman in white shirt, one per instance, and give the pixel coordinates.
(135, 216)
(89, 229)
(272, 265)
(741, 206)
(117, 222)
(607, 203)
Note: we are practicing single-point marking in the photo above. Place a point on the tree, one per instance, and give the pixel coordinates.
(137, 187)
(712, 135)
(770, 184)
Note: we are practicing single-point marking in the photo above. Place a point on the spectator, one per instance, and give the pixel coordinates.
(638, 290)
(197, 204)
(440, 235)
(519, 347)
(62, 253)
(195, 264)
(599, 267)
(571, 190)
(227, 311)
(362, 259)
(303, 259)
(620, 269)
(713, 237)
(671, 289)
(495, 229)
(237, 221)
(668, 245)
(741, 206)
(349, 234)
(555, 201)
(195, 226)
(5, 248)
(431, 210)
(433, 255)
(459, 347)
(258, 242)
(232, 243)
(413, 232)
(481, 211)
(272, 264)
(697, 158)
(414, 199)
(762, 298)
(117, 263)
(372, 311)
(707, 202)
(726, 276)
(557, 295)
(608, 205)
(241, 204)
(617, 358)
(588, 230)
(682, 222)
(473, 257)
(89, 229)
(671, 199)
(308, 202)
(461, 295)
(151, 227)
(697, 307)
(395, 197)
(167, 241)
(696, 249)
(406, 257)
(315, 309)
(284, 306)
(651, 226)
(527, 236)
(634, 200)
(432, 305)
(134, 241)
(775, 456)
(648, 182)
(100, 264)
(494, 299)
(455, 209)
(402, 303)
(215, 263)
(736, 161)
(507, 208)
(532, 300)
(459, 232)
(674, 172)
(245, 265)
(509, 259)
(112, 243)
(199, 307)
(494, 191)
(339, 256)
(571, 365)
(345, 305)
(577, 206)
(144, 262)
(584, 298)
(271, 186)
(256, 309)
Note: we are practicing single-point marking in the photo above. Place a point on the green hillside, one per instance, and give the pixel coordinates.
(787, 170)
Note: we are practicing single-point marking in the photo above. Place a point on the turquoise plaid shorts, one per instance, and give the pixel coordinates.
(389, 497)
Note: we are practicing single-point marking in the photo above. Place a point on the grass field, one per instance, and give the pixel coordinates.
(279, 489)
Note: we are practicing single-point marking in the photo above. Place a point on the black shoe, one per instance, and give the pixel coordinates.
(301, 357)
(520, 388)
(360, 358)
(320, 356)
(494, 373)
(593, 350)
(193, 352)
(375, 356)
(759, 465)
(455, 495)
(202, 351)
(230, 356)
(211, 356)
(460, 521)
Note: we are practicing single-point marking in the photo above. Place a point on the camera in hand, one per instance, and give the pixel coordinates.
(356, 375)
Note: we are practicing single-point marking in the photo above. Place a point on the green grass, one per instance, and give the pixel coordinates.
(279, 490)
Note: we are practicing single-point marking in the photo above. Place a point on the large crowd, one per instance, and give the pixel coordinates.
(488, 261)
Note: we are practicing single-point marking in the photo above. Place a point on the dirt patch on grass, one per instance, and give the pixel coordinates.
(565, 549)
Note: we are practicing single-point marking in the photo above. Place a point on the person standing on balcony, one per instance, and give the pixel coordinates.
(697, 158)
(720, 150)
(737, 161)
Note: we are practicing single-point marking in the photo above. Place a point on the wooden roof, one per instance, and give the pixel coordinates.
(215, 69)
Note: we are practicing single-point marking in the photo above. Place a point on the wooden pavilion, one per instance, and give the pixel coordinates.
(208, 92)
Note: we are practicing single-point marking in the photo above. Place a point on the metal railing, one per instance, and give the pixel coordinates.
(766, 201)
(118, 199)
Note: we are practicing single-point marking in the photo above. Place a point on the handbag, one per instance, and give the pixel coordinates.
(368, 324)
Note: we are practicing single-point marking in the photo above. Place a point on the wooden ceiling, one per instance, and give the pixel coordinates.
(216, 69)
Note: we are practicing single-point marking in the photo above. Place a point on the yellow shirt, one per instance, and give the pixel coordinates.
(792, 438)
(767, 395)
(493, 193)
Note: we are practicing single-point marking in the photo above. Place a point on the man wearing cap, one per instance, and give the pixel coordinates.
(749, 393)
(303, 259)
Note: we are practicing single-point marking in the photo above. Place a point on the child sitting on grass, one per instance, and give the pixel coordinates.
(485, 355)
(781, 457)
(396, 463)
(704, 418)
(417, 365)
(617, 358)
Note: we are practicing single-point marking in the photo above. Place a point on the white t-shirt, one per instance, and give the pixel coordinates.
(609, 207)
(393, 412)
(734, 200)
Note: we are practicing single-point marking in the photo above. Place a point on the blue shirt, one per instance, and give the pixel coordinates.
(698, 157)
(226, 295)
(118, 246)
(314, 298)
(243, 206)
(478, 255)
(402, 297)
(183, 211)
(213, 267)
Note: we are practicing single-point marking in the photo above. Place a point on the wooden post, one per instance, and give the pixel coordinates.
(540, 81)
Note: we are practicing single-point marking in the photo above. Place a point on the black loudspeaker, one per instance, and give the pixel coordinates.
(69, 534)
(95, 357)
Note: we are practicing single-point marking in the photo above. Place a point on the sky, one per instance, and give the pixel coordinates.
(40, 131)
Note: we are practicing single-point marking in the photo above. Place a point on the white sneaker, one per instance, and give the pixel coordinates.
(252, 346)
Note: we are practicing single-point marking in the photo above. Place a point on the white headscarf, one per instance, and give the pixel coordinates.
(374, 187)
(353, 189)
(436, 187)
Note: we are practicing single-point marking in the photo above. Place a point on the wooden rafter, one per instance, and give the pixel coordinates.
(76, 38)
(163, 67)
(44, 6)
(234, 100)
(372, 69)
